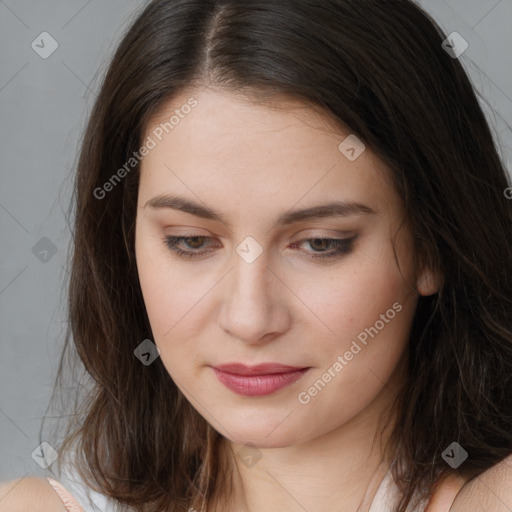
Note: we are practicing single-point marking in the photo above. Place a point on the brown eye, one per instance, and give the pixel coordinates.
(320, 246)
(192, 242)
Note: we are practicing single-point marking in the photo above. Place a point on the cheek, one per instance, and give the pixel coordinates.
(352, 296)
(174, 307)
(167, 291)
(371, 319)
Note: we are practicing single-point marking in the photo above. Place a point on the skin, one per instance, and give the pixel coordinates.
(251, 162)
(489, 492)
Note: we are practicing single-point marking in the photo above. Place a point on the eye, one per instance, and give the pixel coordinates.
(172, 242)
(193, 244)
(340, 246)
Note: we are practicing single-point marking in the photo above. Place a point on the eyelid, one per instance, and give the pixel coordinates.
(188, 231)
(191, 231)
(325, 233)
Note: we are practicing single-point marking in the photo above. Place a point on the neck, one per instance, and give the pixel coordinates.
(340, 470)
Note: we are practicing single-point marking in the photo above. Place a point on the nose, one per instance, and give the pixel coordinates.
(253, 303)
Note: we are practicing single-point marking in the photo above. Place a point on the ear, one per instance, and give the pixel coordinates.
(428, 281)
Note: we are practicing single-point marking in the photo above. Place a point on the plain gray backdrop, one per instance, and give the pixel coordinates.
(45, 98)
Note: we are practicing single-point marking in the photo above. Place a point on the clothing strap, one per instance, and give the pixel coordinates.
(66, 497)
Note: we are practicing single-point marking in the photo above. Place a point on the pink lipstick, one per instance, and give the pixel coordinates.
(259, 380)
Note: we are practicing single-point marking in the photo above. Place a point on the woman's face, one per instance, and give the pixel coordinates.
(264, 287)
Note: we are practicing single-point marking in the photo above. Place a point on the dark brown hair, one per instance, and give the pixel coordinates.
(379, 68)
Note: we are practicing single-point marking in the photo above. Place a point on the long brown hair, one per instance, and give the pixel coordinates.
(380, 69)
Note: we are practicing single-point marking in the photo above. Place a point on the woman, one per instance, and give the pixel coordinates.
(291, 279)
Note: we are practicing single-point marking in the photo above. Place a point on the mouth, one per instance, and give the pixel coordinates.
(260, 380)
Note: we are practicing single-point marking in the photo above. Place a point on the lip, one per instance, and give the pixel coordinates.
(259, 380)
(258, 369)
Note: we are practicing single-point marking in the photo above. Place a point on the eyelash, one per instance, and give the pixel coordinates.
(344, 246)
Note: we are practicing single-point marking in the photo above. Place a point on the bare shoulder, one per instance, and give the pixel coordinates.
(29, 493)
(489, 492)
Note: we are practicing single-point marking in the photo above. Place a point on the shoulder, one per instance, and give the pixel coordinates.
(29, 493)
(489, 492)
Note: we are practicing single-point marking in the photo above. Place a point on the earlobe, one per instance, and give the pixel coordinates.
(429, 282)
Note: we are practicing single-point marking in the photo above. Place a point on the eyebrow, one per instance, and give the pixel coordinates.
(331, 209)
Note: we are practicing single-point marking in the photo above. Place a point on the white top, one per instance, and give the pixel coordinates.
(387, 497)
(385, 500)
(89, 500)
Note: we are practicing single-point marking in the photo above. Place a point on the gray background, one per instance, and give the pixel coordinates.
(43, 108)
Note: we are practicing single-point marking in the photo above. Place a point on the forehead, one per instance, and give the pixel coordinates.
(212, 143)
